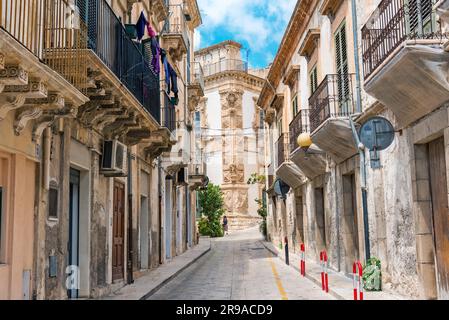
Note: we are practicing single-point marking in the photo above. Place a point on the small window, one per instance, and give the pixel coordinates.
(53, 203)
(261, 118)
(280, 131)
(295, 106)
(313, 80)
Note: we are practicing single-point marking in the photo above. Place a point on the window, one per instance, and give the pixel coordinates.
(280, 131)
(261, 118)
(341, 63)
(295, 106)
(53, 202)
(313, 80)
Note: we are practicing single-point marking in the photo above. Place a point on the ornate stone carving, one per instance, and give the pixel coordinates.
(49, 116)
(22, 118)
(33, 89)
(236, 200)
(13, 75)
(234, 173)
(11, 104)
(2, 61)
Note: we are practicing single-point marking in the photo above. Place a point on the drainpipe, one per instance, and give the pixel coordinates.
(361, 149)
(356, 57)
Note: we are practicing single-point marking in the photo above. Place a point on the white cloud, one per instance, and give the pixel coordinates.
(258, 22)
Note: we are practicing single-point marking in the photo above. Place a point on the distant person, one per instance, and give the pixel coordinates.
(225, 224)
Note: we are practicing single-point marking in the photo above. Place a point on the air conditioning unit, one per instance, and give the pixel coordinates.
(115, 158)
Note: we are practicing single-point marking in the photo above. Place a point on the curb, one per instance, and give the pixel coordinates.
(163, 283)
(314, 280)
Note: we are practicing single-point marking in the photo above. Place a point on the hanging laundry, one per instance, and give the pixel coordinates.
(166, 69)
(156, 52)
(140, 26)
(174, 80)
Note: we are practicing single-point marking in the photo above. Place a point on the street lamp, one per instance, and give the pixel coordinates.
(304, 141)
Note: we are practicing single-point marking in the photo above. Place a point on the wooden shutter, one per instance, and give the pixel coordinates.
(413, 13)
(341, 63)
(313, 80)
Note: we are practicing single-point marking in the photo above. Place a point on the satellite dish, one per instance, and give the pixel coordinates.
(281, 188)
(377, 134)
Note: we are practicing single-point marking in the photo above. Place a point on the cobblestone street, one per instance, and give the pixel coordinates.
(239, 267)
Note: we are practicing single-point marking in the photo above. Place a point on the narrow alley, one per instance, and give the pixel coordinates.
(238, 267)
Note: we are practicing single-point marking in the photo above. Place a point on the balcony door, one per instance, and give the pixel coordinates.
(419, 16)
(341, 63)
(74, 239)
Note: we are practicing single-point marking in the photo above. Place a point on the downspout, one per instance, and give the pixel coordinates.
(356, 57)
(359, 145)
(361, 149)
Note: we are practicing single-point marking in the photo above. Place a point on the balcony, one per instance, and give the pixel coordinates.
(330, 107)
(175, 35)
(299, 125)
(403, 52)
(197, 174)
(225, 66)
(285, 169)
(311, 162)
(32, 48)
(168, 114)
(195, 84)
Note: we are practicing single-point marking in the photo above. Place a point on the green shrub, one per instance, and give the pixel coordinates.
(211, 208)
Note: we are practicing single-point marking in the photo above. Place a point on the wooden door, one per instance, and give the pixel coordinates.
(438, 182)
(118, 232)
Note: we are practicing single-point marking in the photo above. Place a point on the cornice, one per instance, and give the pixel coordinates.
(222, 77)
(295, 29)
(218, 45)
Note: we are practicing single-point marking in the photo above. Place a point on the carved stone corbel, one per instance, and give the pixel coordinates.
(48, 117)
(109, 118)
(22, 118)
(11, 104)
(114, 128)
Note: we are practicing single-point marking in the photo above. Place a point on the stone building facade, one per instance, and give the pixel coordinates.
(345, 199)
(231, 131)
(85, 127)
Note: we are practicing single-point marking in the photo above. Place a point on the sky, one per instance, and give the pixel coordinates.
(258, 25)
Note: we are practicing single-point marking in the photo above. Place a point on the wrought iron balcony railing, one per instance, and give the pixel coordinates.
(282, 149)
(299, 125)
(393, 22)
(198, 75)
(225, 65)
(108, 39)
(177, 23)
(49, 29)
(333, 98)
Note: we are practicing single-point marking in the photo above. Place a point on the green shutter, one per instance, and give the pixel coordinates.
(341, 63)
(313, 80)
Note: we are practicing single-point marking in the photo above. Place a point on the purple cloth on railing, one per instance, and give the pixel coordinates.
(156, 52)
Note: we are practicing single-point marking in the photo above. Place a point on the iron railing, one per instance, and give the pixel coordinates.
(49, 29)
(198, 75)
(128, 60)
(332, 98)
(282, 149)
(168, 113)
(392, 23)
(225, 65)
(176, 23)
(299, 125)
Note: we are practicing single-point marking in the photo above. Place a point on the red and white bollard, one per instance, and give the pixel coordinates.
(303, 260)
(357, 272)
(324, 274)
